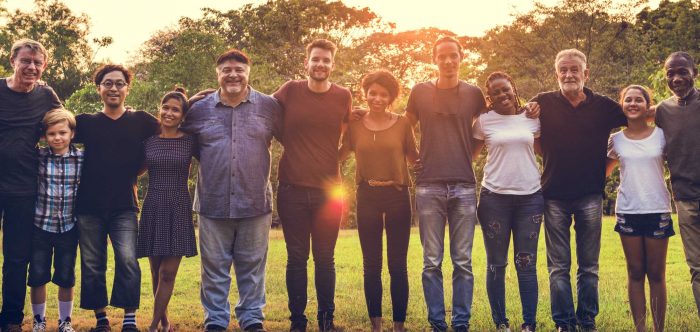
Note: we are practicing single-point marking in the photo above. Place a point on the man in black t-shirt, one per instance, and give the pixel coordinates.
(23, 103)
(575, 127)
(107, 202)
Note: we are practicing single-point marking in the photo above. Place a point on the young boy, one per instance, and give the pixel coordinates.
(59, 173)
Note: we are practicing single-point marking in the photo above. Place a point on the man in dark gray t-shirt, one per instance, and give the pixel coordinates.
(679, 117)
(445, 191)
(23, 103)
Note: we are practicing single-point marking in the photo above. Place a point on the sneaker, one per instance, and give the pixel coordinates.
(257, 327)
(503, 328)
(563, 328)
(39, 325)
(527, 328)
(65, 326)
(214, 328)
(130, 328)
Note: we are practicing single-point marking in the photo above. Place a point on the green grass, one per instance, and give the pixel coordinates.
(186, 311)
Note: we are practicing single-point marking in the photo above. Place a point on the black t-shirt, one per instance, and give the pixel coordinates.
(20, 120)
(113, 158)
(574, 143)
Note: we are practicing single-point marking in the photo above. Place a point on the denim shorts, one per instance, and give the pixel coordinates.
(652, 225)
(62, 247)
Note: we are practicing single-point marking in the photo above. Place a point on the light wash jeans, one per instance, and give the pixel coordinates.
(241, 242)
(587, 215)
(454, 204)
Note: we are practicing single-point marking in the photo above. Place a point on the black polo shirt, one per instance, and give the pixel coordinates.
(574, 143)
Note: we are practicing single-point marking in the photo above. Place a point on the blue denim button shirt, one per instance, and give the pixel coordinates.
(234, 154)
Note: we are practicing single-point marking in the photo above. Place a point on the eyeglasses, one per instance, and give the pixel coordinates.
(28, 62)
(118, 84)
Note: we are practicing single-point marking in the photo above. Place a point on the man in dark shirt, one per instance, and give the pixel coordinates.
(576, 124)
(23, 103)
(107, 202)
(315, 113)
(679, 117)
(446, 188)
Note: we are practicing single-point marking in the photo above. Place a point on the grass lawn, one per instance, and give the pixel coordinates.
(186, 311)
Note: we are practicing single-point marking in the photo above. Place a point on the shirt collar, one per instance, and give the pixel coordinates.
(251, 97)
(72, 152)
(691, 96)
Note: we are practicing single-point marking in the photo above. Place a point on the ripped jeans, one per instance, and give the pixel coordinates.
(499, 215)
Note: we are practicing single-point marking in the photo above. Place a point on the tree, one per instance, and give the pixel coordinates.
(526, 48)
(278, 31)
(65, 37)
(673, 26)
(168, 58)
(408, 54)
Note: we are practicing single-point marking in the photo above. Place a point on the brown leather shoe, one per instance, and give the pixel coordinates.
(12, 328)
(101, 328)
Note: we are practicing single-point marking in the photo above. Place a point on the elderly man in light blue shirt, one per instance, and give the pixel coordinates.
(234, 127)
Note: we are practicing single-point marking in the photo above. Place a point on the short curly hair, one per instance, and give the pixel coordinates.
(385, 79)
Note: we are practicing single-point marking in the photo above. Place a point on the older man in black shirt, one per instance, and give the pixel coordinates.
(23, 103)
(576, 124)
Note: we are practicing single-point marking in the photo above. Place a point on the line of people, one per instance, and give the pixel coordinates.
(84, 198)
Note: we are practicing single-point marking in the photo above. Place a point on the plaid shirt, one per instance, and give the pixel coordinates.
(59, 177)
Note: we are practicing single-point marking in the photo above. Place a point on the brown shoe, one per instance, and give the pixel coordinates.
(12, 328)
(101, 328)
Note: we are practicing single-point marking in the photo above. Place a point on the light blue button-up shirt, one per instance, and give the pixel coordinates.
(234, 149)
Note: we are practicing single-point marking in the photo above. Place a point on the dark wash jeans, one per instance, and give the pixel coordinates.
(587, 213)
(17, 214)
(379, 208)
(499, 216)
(309, 214)
(121, 227)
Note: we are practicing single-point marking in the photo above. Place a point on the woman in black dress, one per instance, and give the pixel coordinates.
(166, 231)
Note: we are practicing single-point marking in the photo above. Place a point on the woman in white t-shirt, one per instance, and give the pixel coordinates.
(510, 200)
(643, 205)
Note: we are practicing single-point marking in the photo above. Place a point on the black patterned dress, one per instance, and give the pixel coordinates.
(166, 227)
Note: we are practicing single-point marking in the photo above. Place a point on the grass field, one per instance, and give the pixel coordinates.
(186, 311)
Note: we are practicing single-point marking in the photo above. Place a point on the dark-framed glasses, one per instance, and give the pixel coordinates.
(118, 84)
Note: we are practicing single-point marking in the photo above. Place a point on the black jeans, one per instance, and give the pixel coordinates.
(309, 214)
(379, 208)
(17, 226)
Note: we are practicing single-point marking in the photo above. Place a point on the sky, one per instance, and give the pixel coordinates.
(131, 22)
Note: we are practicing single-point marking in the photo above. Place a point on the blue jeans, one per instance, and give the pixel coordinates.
(243, 243)
(499, 215)
(310, 222)
(454, 204)
(587, 215)
(121, 227)
(17, 214)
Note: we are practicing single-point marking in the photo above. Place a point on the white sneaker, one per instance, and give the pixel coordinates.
(39, 324)
(65, 326)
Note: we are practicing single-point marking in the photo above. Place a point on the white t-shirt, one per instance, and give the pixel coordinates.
(511, 167)
(642, 185)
